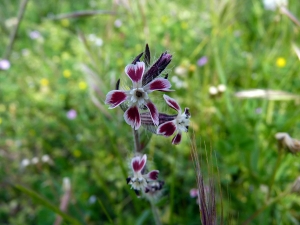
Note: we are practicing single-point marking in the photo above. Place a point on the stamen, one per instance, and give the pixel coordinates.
(138, 94)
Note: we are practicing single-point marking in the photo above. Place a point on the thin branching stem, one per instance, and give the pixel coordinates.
(286, 12)
(13, 35)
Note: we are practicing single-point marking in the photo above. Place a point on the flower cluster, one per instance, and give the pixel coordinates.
(140, 110)
(141, 181)
(146, 79)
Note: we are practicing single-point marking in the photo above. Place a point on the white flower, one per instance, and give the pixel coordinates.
(139, 181)
(34, 160)
(274, 4)
(25, 163)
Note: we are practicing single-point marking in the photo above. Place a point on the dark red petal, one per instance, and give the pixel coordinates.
(167, 129)
(172, 103)
(132, 117)
(177, 139)
(115, 98)
(135, 71)
(159, 84)
(153, 175)
(138, 163)
(153, 112)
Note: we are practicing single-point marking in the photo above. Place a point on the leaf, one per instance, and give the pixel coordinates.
(42, 201)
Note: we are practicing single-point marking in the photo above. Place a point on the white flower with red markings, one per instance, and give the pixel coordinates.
(137, 97)
(140, 181)
(179, 123)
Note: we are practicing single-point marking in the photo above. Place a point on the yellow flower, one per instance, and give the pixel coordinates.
(280, 62)
(44, 82)
(67, 73)
(192, 68)
(65, 22)
(82, 85)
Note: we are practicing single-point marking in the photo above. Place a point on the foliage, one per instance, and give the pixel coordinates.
(48, 77)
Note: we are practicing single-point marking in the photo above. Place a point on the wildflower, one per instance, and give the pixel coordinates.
(153, 190)
(34, 34)
(280, 62)
(67, 73)
(35, 160)
(44, 82)
(71, 114)
(194, 192)
(118, 23)
(82, 85)
(66, 184)
(192, 68)
(221, 88)
(93, 38)
(137, 97)
(92, 199)
(274, 4)
(4, 64)
(25, 163)
(202, 61)
(180, 70)
(291, 144)
(178, 83)
(46, 159)
(213, 91)
(140, 181)
(179, 122)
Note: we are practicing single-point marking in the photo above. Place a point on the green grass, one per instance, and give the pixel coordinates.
(242, 42)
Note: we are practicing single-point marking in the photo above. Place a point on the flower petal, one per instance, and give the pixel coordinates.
(172, 103)
(153, 112)
(159, 84)
(177, 139)
(153, 175)
(138, 163)
(115, 98)
(135, 71)
(132, 117)
(167, 129)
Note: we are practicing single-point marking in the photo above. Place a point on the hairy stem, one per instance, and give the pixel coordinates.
(13, 35)
(155, 213)
(136, 140)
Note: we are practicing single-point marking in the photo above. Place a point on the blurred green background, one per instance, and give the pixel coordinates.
(54, 124)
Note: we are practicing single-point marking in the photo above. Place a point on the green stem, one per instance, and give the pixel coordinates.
(155, 213)
(13, 35)
(278, 161)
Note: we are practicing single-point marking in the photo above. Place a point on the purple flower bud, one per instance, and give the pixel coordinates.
(202, 61)
(4, 64)
(34, 34)
(72, 114)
